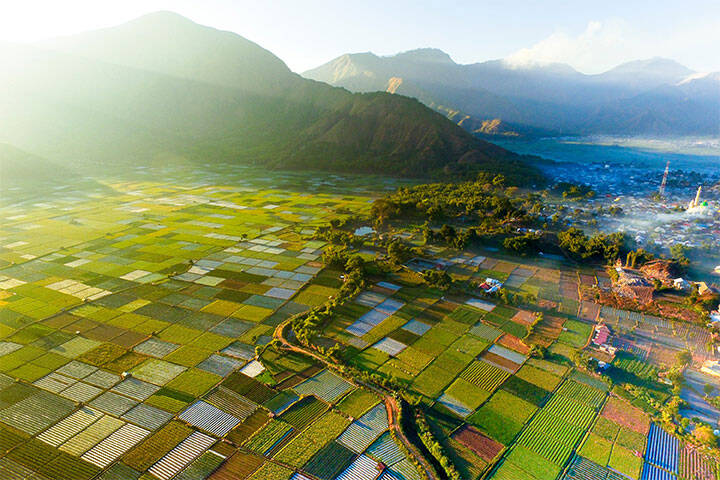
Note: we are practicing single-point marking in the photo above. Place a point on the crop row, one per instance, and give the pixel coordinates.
(484, 376)
(582, 393)
(267, 438)
(569, 411)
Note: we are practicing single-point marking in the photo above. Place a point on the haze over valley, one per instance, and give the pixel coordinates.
(386, 267)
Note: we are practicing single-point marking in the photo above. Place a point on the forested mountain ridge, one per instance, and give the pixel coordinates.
(164, 87)
(655, 97)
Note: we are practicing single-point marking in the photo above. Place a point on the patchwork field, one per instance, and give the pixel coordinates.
(129, 323)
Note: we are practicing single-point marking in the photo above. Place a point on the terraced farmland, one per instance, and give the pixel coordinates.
(125, 321)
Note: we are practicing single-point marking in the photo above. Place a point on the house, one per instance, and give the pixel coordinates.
(490, 285)
(711, 367)
(602, 334)
(681, 284)
(704, 288)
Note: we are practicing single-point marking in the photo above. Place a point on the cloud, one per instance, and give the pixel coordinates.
(593, 50)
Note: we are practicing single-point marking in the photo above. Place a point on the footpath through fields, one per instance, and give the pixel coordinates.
(391, 404)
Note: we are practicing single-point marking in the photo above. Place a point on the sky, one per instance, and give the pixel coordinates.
(592, 36)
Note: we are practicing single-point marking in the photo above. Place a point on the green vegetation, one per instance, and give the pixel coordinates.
(215, 95)
(146, 453)
(573, 191)
(607, 247)
(305, 445)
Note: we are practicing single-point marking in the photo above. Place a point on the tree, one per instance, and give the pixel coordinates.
(683, 358)
(708, 389)
(679, 252)
(522, 244)
(705, 435)
(398, 252)
(335, 256)
(437, 278)
(602, 246)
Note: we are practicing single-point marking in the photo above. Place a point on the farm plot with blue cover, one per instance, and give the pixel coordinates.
(121, 314)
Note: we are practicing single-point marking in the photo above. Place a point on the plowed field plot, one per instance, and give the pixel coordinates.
(330, 461)
(584, 469)
(555, 431)
(304, 412)
(240, 465)
(696, 466)
(307, 443)
(325, 385)
(269, 437)
(547, 330)
(622, 413)
(487, 448)
(484, 376)
(576, 333)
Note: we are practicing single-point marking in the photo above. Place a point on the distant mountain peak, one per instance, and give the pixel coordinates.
(537, 66)
(652, 66)
(164, 16)
(434, 55)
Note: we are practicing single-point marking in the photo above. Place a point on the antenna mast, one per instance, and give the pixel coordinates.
(664, 180)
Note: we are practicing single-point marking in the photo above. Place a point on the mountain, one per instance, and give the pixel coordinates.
(645, 74)
(23, 172)
(645, 97)
(164, 87)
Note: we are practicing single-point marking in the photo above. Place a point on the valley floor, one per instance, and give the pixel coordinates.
(133, 321)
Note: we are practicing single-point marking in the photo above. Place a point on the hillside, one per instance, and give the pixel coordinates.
(645, 97)
(162, 86)
(22, 172)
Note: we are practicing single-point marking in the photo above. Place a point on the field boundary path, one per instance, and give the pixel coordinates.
(391, 404)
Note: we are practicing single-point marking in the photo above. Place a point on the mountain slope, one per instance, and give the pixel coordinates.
(164, 86)
(637, 98)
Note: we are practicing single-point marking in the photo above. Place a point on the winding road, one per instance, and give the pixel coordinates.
(391, 404)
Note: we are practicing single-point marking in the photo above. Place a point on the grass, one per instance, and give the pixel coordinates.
(194, 382)
(304, 446)
(596, 449)
(532, 463)
(146, 453)
(271, 471)
(170, 400)
(188, 355)
(329, 461)
(576, 333)
(432, 381)
(467, 393)
(525, 390)
(30, 372)
(538, 377)
(625, 462)
(415, 358)
(267, 438)
(606, 428)
(179, 334)
(631, 440)
(504, 403)
(357, 402)
(499, 427)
